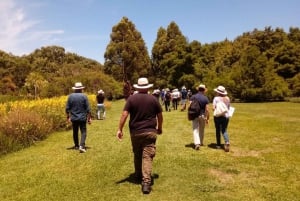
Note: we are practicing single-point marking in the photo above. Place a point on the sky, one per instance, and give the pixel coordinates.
(83, 27)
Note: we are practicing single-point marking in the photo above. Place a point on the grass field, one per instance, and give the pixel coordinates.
(263, 163)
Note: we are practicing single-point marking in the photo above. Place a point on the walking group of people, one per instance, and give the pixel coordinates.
(146, 120)
(173, 99)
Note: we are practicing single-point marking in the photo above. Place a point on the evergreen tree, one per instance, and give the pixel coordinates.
(126, 56)
(169, 55)
(159, 49)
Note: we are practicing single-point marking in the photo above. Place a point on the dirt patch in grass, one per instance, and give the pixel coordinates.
(223, 177)
(252, 153)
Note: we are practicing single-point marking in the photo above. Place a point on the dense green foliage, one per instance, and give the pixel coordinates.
(257, 66)
(260, 65)
(50, 71)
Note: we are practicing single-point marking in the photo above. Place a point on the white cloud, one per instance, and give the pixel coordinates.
(18, 33)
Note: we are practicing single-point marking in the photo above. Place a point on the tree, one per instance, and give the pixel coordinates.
(274, 88)
(295, 85)
(159, 49)
(126, 56)
(287, 59)
(251, 79)
(7, 86)
(35, 83)
(169, 55)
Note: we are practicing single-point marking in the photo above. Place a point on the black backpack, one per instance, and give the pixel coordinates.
(194, 109)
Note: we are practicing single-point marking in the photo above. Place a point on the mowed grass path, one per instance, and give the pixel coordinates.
(263, 163)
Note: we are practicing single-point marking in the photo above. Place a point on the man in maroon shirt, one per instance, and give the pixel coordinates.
(145, 123)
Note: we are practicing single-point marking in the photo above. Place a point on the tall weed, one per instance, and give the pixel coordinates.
(24, 127)
(8, 145)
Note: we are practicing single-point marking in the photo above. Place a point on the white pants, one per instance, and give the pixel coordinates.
(198, 130)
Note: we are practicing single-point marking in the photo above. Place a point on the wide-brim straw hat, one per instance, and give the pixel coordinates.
(221, 90)
(143, 83)
(202, 86)
(78, 85)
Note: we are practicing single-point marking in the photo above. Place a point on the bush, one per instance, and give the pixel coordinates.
(8, 145)
(294, 99)
(24, 127)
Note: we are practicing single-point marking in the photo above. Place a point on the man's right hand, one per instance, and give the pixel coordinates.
(120, 135)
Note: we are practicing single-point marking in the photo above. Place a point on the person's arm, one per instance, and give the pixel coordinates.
(207, 113)
(88, 111)
(68, 116)
(227, 101)
(121, 124)
(159, 123)
(89, 118)
(214, 104)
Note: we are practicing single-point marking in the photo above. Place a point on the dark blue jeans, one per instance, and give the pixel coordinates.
(221, 124)
(76, 125)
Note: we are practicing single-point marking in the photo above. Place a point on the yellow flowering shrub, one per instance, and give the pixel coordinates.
(27, 121)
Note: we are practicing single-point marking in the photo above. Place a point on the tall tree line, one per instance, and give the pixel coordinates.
(257, 66)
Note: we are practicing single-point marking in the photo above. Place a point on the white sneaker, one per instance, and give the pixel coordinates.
(82, 149)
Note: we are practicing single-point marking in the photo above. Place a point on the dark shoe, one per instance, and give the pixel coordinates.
(146, 188)
(226, 147)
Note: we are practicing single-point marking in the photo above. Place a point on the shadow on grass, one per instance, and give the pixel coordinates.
(76, 148)
(132, 178)
(214, 146)
(211, 145)
(191, 145)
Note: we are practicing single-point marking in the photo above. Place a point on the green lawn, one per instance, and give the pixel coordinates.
(263, 163)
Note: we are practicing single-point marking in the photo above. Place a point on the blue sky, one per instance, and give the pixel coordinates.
(84, 26)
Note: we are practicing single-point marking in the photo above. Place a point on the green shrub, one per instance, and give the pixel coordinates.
(295, 100)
